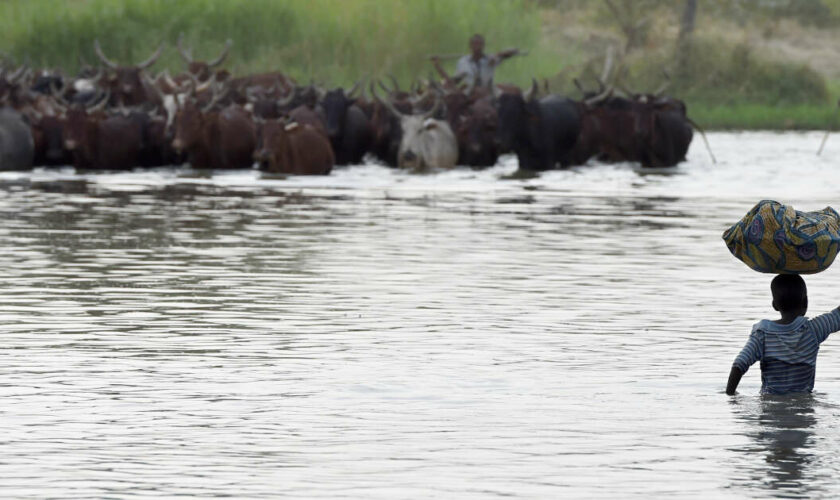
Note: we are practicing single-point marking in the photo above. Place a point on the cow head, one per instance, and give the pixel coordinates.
(51, 127)
(336, 103)
(189, 121)
(425, 140)
(518, 114)
(274, 140)
(201, 70)
(77, 122)
(476, 134)
(126, 83)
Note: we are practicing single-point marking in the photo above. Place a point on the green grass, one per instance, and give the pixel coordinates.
(747, 116)
(330, 41)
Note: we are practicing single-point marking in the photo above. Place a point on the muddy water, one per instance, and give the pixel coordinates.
(374, 334)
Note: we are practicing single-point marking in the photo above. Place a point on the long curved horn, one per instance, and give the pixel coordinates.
(154, 57)
(167, 78)
(532, 92)
(598, 98)
(394, 81)
(662, 88)
(285, 101)
(98, 75)
(383, 87)
(16, 74)
(101, 104)
(201, 87)
(217, 61)
(355, 89)
(186, 55)
(153, 85)
(390, 107)
(215, 100)
(431, 112)
(608, 63)
(107, 62)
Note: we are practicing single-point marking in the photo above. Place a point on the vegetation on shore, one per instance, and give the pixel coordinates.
(727, 78)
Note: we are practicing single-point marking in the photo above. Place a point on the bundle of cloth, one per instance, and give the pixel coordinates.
(775, 238)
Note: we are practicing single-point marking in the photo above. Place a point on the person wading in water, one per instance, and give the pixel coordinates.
(475, 69)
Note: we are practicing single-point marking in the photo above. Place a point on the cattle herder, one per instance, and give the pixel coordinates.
(475, 69)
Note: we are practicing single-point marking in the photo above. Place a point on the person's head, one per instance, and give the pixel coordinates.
(789, 294)
(477, 45)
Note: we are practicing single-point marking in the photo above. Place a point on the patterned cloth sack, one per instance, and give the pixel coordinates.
(775, 238)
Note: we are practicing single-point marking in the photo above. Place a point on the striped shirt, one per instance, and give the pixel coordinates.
(788, 353)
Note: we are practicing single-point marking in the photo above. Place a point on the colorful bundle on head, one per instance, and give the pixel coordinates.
(775, 238)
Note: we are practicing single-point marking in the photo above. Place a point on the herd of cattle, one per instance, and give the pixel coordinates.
(121, 116)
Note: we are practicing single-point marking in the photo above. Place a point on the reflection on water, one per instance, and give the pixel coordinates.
(374, 334)
(783, 431)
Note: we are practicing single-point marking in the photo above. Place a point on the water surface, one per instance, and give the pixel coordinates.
(375, 334)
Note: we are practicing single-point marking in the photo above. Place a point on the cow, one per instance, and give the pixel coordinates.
(669, 132)
(387, 132)
(292, 148)
(48, 135)
(16, 143)
(201, 70)
(126, 83)
(542, 132)
(215, 139)
(475, 129)
(348, 129)
(426, 142)
(651, 130)
(304, 115)
(101, 141)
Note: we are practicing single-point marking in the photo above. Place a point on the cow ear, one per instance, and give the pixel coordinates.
(291, 126)
(430, 124)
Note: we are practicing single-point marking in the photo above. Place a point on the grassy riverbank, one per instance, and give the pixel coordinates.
(325, 40)
(731, 83)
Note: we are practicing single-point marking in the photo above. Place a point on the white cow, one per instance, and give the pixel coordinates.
(426, 142)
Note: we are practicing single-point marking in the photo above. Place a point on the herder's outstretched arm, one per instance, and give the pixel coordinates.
(734, 379)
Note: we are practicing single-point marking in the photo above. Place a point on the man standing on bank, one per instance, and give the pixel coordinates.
(476, 69)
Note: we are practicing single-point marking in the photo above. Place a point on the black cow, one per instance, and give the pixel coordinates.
(16, 144)
(348, 128)
(541, 132)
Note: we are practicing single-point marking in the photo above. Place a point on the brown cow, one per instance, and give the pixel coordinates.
(215, 139)
(291, 148)
(99, 141)
(304, 115)
(201, 70)
(127, 84)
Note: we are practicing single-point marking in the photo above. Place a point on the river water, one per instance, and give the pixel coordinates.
(375, 334)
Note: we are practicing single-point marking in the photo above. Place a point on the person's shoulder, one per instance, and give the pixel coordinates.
(762, 326)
